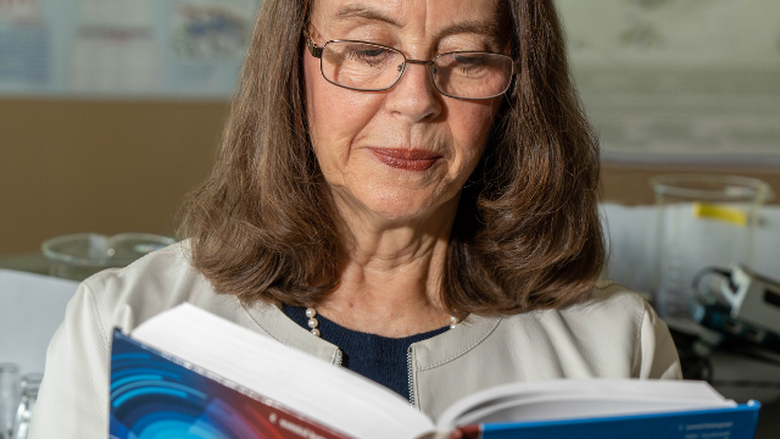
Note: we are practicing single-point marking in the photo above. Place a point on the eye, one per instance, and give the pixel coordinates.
(470, 64)
(471, 60)
(370, 55)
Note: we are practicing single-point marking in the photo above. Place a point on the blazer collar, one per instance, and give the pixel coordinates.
(429, 353)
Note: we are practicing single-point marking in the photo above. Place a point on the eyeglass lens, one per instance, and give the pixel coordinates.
(370, 67)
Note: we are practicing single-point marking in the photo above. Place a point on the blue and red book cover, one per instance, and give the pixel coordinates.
(155, 397)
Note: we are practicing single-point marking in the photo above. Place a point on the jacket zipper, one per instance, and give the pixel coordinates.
(410, 375)
(338, 358)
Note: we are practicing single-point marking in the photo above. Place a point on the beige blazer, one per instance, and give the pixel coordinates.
(616, 334)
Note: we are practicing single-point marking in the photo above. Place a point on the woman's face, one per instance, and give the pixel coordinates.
(404, 153)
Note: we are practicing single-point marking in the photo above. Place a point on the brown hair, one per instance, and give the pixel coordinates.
(526, 234)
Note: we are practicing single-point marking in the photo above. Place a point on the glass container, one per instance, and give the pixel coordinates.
(9, 397)
(703, 221)
(29, 383)
(80, 255)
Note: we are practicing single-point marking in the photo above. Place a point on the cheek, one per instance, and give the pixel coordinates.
(471, 126)
(334, 114)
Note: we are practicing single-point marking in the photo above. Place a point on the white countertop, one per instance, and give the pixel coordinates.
(32, 306)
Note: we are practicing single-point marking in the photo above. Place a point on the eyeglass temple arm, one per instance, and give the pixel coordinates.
(315, 50)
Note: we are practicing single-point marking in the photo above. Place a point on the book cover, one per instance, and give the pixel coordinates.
(155, 396)
(729, 423)
(189, 374)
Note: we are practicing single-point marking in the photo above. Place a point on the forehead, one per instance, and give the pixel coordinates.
(428, 16)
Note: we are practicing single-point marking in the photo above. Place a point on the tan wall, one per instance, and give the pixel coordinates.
(109, 167)
(106, 167)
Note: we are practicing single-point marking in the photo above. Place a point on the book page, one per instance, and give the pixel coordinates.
(344, 400)
(571, 399)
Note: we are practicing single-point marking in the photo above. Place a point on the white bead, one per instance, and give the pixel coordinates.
(313, 323)
(316, 332)
(310, 312)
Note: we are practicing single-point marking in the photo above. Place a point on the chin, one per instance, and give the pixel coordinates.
(409, 209)
(391, 204)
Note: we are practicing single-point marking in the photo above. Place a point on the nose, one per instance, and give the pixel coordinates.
(414, 95)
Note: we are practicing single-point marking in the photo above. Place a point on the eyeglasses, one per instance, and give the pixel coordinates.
(362, 66)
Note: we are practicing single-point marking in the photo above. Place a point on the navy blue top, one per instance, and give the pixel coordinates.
(378, 358)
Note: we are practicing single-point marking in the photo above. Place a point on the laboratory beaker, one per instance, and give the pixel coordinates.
(703, 221)
(81, 255)
(30, 383)
(10, 393)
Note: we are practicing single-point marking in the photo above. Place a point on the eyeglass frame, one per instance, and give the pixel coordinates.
(317, 51)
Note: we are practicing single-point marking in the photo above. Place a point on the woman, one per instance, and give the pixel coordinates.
(411, 180)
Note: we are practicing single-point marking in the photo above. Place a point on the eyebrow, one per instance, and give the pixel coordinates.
(488, 28)
(360, 11)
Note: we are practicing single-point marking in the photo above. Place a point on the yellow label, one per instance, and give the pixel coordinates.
(720, 212)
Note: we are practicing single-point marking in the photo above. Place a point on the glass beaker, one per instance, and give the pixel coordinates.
(9, 397)
(81, 255)
(30, 383)
(703, 221)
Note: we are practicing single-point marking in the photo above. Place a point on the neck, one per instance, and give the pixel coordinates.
(392, 279)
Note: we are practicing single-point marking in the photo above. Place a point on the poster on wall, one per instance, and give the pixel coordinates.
(679, 81)
(662, 80)
(204, 36)
(25, 46)
(127, 49)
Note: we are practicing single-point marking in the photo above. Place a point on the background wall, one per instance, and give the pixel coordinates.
(110, 167)
(679, 81)
(671, 86)
(106, 167)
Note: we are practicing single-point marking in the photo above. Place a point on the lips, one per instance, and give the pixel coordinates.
(406, 159)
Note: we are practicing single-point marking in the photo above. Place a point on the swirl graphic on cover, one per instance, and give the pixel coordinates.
(153, 397)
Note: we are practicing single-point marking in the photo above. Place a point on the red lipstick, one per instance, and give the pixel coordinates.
(406, 159)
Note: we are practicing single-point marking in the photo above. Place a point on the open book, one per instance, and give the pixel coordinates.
(190, 374)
